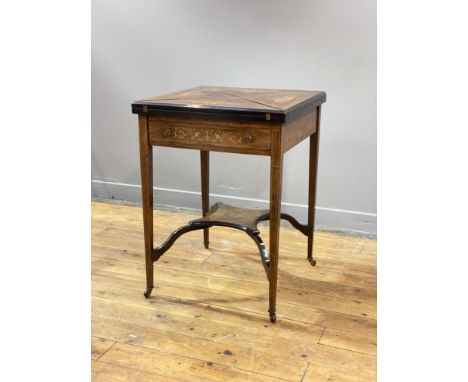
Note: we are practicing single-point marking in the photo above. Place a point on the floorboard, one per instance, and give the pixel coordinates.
(207, 318)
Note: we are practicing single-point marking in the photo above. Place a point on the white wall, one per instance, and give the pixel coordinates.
(142, 48)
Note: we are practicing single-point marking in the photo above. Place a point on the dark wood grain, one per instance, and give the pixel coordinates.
(276, 172)
(146, 168)
(313, 167)
(299, 130)
(205, 190)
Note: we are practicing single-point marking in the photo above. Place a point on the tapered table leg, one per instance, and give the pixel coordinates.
(146, 167)
(276, 170)
(205, 190)
(313, 166)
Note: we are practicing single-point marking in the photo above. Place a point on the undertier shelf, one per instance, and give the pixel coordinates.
(244, 219)
(221, 214)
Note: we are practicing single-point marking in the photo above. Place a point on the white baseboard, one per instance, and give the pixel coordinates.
(329, 218)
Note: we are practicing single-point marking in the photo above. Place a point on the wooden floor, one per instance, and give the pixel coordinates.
(207, 318)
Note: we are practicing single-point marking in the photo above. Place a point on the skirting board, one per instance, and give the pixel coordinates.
(329, 218)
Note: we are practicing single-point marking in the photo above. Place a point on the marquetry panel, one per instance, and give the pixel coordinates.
(270, 105)
(242, 98)
(212, 135)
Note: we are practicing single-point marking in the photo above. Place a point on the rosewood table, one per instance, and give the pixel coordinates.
(237, 120)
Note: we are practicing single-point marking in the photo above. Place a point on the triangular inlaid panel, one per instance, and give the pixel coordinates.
(240, 98)
(273, 105)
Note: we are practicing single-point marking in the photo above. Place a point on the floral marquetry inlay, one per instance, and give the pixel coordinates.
(233, 135)
(243, 98)
(209, 135)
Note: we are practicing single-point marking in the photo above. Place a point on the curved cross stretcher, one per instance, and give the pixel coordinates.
(224, 215)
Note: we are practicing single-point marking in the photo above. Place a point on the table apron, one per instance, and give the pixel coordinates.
(237, 138)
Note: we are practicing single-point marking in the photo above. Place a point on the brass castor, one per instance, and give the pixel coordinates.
(312, 262)
(273, 317)
(147, 292)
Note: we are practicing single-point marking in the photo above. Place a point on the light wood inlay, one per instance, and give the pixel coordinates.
(210, 135)
(261, 99)
(275, 105)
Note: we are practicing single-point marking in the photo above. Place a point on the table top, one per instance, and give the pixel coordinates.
(269, 104)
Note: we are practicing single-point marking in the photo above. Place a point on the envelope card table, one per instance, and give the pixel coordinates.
(235, 120)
